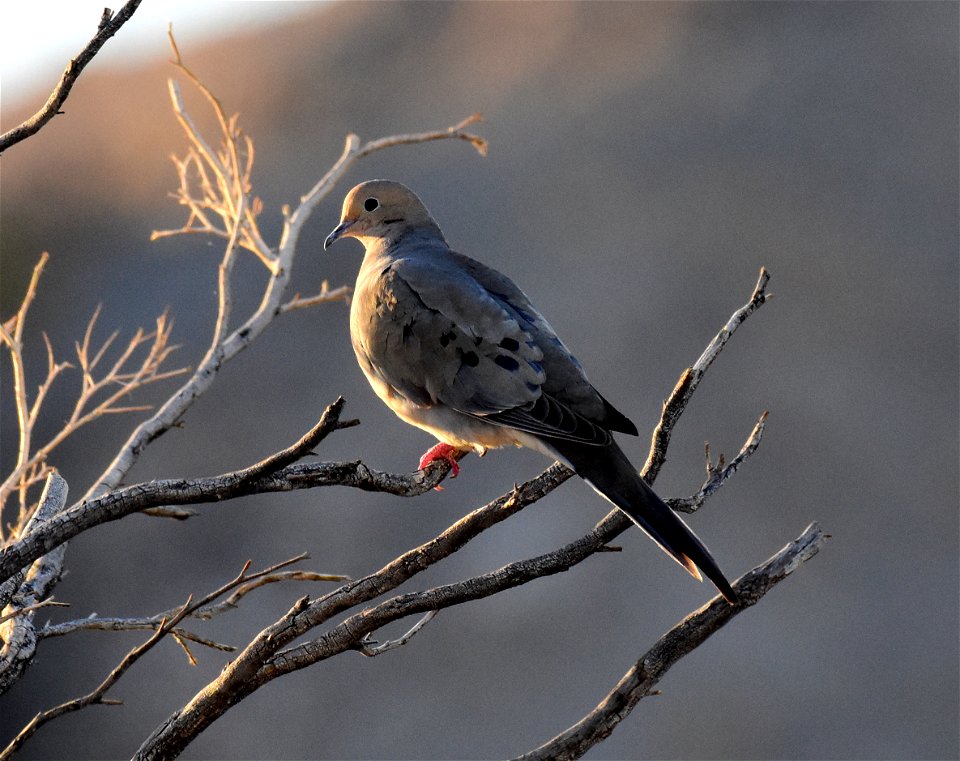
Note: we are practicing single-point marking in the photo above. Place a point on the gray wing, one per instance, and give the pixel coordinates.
(566, 382)
(447, 330)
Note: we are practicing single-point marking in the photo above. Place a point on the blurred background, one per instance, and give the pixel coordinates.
(645, 160)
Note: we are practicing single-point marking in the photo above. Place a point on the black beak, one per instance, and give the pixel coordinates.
(337, 233)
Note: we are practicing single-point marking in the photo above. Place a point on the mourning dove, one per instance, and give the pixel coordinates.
(455, 348)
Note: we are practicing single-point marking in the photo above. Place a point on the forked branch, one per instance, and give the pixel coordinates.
(168, 625)
(270, 475)
(718, 474)
(102, 392)
(691, 377)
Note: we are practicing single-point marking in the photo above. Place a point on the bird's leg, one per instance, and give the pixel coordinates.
(445, 452)
(441, 451)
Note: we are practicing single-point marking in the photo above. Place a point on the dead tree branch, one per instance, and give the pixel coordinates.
(168, 625)
(131, 623)
(110, 24)
(102, 392)
(650, 668)
(691, 377)
(718, 474)
(263, 477)
(371, 648)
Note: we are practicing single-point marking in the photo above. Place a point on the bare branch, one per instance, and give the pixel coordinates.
(456, 131)
(168, 625)
(257, 479)
(109, 25)
(48, 603)
(205, 613)
(256, 665)
(325, 296)
(97, 623)
(231, 602)
(119, 381)
(718, 474)
(643, 676)
(328, 423)
(371, 648)
(690, 379)
(11, 332)
(97, 695)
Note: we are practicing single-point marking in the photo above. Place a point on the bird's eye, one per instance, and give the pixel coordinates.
(371, 204)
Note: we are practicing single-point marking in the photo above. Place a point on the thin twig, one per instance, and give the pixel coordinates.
(106, 624)
(329, 422)
(102, 623)
(326, 296)
(371, 648)
(718, 474)
(11, 332)
(231, 602)
(109, 25)
(690, 378)
(48, 603)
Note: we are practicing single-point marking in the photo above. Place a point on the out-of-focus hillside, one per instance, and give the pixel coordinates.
(645, 160)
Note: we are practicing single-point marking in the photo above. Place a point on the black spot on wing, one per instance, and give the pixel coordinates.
(446, 338)
(507, 362)
(510, 344)
(469, 358)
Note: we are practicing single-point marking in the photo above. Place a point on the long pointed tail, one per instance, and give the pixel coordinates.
(608, 470)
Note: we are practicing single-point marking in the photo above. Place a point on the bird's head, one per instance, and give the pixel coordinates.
(380, 210)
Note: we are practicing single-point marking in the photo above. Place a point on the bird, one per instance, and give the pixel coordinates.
(455, 348)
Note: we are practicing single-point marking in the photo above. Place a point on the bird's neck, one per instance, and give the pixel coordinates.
(423, 234)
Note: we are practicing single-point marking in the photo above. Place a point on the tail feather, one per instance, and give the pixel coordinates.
(609, 472)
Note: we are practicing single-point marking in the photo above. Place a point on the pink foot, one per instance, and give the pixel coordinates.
(443, 452)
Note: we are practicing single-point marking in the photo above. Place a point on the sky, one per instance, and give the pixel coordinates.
(35, 47)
